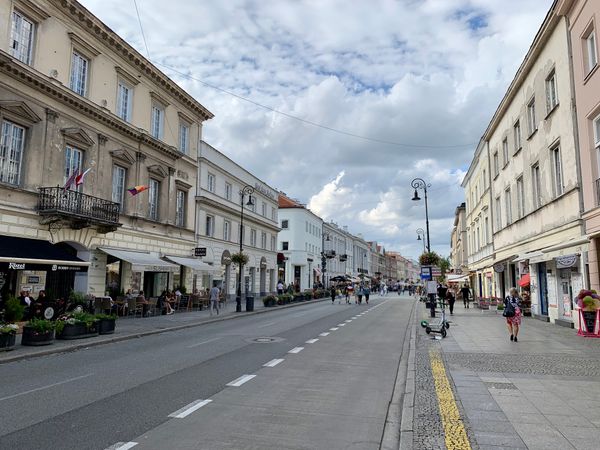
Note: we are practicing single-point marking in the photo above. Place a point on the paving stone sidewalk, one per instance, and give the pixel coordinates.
(131, 328)
(540, 393)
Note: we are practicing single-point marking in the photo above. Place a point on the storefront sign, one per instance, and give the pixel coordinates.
(33, 280)
(44, 267)
(16, 266)
(155, 268)
(564, 262)
(499, 268)
(200, 251)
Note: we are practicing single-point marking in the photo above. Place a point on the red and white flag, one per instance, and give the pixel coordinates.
(79, 178)
(70, 181)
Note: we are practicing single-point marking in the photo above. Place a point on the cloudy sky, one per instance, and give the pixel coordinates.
(417, 79)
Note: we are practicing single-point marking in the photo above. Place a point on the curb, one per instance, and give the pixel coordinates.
(408, 403)
(396, 416)
(126, 337)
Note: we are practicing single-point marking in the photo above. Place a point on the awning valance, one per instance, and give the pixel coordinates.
(194, 264)
(142, 261)
(24, 254)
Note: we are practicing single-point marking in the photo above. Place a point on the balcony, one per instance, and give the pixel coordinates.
(77, 210)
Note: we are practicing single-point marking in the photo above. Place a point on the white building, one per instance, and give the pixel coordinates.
(361, 256)
(336, 243)
(301, 242)
(220, 181)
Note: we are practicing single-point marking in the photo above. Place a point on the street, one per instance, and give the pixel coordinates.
(324, 380)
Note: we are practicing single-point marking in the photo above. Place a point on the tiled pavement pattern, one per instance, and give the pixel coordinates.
(540, 393)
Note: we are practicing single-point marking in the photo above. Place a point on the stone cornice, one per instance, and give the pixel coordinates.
(103, 33)
(25, 74)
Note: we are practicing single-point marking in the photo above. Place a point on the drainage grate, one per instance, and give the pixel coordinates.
(505, 386)
(264, 340)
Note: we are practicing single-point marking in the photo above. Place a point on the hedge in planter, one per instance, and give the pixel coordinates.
(8, 332)
(38, 332)
(269, 300)
(76, 325)
(106, 323)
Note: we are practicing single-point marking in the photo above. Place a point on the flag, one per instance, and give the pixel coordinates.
(70, 181)
(137, 189)
(79, 178)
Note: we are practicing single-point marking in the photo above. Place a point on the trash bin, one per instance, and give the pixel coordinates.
(249, 304)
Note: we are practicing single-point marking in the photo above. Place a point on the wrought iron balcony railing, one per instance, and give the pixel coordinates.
(81, 210)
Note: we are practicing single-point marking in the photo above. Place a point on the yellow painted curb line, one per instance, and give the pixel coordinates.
(454, 429)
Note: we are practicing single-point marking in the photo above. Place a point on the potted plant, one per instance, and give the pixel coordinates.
(8, 332)
(106, 323)
(269, 300)
(38, 332)
(76, 325)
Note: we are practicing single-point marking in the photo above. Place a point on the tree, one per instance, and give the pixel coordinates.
(429, 259)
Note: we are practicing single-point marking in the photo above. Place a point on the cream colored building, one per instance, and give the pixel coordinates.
(75, 96)
(218, 216)
(536, 195)
(458, 240)
(479, 217)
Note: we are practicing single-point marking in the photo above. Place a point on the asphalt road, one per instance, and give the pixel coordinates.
(332, 392)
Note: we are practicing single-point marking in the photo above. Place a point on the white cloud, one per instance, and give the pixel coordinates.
(422, 72)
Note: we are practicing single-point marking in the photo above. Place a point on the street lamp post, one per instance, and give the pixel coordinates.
(419, 183)
(246, 190)
(324, 237)
(421, 232)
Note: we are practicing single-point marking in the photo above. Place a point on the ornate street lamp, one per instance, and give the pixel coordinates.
(246, 190)
(419, 183)
(324, 237)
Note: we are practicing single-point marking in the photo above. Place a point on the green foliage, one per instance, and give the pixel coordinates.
(500, 306)
(105, 317)
(8, 328)
(74, 318)
(269, 300)
(240, 259)
(182, 289)
(40, 325)
(429, 259)
(13, 310)
(77, 298)
(284, 299)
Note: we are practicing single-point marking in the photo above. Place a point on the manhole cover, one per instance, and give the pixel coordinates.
(264, 340)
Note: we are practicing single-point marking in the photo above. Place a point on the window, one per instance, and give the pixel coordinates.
(226, 231)
(285, 224)
(536, 181)
(557, 172)
(124, 101)
(307, 227)
(209, 228)
(184, 138)
(487, 232)
(253, 237)
(21, 37)
(73, 159)
(496, 164)
(498, 214)
(180, 209)
(264, 209)
(11, 152)
(505, 151)
(517, 135)
(273, 214)
(596, 126)
(228, 191)
(591, 52)
(79, 73)
(263, 240)
(508, 206)
(484, 179)
(551, 94)
(157, 125)
(118, 185)
(531, 119)
(273, 243)
(210, 182)
(520, 198)
(153, 199)
(285, 245)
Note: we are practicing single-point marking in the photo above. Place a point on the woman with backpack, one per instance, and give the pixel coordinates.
(512, 312)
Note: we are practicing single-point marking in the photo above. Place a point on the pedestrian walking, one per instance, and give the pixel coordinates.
(333, 293)
(385, 289)
(280, 288)
(359, 294)
(347, 294)
(512, 312)
(466, 294)
(367, 292)
(214, 299)
(450, 299)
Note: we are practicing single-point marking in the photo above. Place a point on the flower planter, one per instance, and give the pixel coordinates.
(78, 331)
(106, 326)
(7, 341)
(35, 338)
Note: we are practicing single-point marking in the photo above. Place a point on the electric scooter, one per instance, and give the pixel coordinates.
(439, 326)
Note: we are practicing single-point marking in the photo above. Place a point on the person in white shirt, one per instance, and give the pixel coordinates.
(214, 299)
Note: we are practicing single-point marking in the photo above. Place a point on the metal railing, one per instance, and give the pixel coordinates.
(76, 205)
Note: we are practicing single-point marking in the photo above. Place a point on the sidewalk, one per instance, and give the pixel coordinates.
(540, 393)
(131, 328)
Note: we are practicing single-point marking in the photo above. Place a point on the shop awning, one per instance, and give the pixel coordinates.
(194, 264)
(455, 278)
(527, 255)
(142, 261)
(26, 251)
(525, 280)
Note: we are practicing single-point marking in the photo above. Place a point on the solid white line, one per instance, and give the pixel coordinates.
(324, 334)
(241, 380)
(188, 409)
(267, 324)
(46, 387)
(311, 341)
(296, 350)
(273, 362)
(203, 342)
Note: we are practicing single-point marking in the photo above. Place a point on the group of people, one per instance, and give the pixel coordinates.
(346, 291)
(290, 288)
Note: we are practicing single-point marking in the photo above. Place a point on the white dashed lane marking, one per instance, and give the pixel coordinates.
(273, 362)
(324, 334)
(296, 350)
(311, 341)
(241, 380)
(188, 409)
